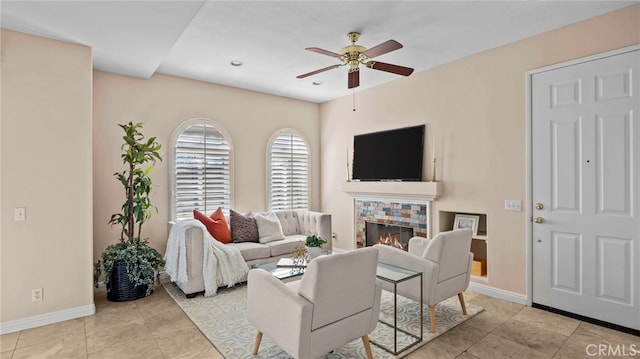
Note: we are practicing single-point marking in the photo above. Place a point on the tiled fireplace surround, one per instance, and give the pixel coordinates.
(396, 203)
(398, 212)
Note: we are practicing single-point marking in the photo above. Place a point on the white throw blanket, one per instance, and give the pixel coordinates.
(222, 264)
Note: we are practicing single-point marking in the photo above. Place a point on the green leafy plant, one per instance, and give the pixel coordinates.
(136, 152)
(314, 241)
(142, 262)
(139, 155)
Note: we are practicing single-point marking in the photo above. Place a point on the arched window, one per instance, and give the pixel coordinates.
(200, 169)
(288, 171)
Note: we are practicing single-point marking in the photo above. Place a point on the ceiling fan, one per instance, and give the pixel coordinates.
(354, 55)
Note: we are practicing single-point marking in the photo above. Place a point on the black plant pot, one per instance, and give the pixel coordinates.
(120, 288)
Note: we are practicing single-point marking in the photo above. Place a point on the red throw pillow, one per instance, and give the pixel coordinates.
(216, 224)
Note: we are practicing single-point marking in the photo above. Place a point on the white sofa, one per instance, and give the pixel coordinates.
(296, 226)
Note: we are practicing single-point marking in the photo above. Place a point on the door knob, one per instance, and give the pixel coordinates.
(538, 220)
(539, 206)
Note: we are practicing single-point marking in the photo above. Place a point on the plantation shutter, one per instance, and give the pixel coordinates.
(289, 172)
(202, 171)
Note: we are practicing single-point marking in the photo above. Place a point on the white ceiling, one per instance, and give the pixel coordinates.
(198, 39)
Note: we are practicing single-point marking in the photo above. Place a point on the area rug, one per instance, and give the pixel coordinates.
(223, 320)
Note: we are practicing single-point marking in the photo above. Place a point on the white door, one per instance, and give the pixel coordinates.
(586, 188)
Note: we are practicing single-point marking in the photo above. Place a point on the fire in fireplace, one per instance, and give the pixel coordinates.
(389, 234)
(390, 241)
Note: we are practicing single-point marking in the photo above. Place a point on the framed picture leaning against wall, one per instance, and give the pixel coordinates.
(466, 221)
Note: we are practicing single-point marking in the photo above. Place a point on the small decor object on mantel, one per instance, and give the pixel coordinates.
(433, 173)
(314, 244)
(348, 169)
(433, 154)
(130, 266)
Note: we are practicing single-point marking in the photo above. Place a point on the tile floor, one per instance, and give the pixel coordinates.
(155, 327)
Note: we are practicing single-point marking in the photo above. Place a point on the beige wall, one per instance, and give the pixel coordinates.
(45, 167)
(477, 110)
(164, 102)
(475, 106)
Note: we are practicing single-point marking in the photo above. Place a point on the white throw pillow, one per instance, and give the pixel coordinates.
(269, 228)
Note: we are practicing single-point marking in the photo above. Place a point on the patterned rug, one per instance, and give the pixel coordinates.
(223, 320)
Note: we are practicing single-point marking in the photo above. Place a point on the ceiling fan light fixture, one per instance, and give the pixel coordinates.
(236, 63)
(354, 55)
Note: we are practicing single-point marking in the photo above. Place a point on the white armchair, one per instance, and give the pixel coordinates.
(336, 301)
(445, 262)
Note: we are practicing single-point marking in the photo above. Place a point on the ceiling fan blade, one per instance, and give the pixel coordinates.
(394, 69)
(354, 79)
(318, 71)
(383, 48)
(323, 52)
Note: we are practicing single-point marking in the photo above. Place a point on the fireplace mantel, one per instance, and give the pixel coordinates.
(424, 190)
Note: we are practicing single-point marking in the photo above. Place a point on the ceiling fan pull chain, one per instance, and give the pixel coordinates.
(354, 99)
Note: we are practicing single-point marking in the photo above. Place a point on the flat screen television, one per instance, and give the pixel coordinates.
(392, 155)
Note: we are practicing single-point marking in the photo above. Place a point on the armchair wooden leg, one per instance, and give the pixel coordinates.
(257, 345)
(367, 346)
(432, 314)
(464, 307)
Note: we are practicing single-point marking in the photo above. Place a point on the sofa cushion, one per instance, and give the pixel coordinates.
(308, 222)
(216, 224)
(289, 222)
(269, 228)
(243, 227)
(285, 246)
(252, 250)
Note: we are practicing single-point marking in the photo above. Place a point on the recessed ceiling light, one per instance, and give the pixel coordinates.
(317, 83)
(236, 63)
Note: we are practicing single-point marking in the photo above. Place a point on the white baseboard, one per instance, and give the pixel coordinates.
(498, 293)
(48, 318)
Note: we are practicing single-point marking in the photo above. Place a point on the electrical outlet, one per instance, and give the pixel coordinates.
(513, 205)
(19, 214)
(36, 295)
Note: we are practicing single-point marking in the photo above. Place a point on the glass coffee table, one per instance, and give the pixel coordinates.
(284, 273)
(278, 272)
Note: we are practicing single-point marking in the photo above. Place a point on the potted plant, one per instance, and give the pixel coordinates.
(130, 266)
(313, 243)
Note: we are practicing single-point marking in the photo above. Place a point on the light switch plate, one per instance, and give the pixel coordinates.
(513, 205)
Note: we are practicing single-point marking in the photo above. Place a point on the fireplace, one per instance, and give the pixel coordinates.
(389, 234)
(401, 203)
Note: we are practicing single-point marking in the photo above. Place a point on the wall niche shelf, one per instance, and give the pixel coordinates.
(478, 242)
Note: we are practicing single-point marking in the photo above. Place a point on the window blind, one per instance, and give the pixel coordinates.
(289, 172)
(202, 171)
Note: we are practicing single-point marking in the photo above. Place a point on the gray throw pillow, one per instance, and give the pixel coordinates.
(243, 227)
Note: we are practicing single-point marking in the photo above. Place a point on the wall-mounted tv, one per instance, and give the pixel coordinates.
(392, 155)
